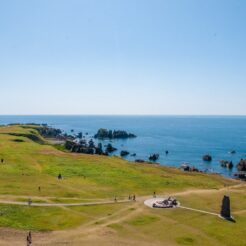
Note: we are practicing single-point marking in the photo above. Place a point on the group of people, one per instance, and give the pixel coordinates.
(132, 197)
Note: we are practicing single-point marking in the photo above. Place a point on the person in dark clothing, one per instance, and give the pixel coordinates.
(29, 239)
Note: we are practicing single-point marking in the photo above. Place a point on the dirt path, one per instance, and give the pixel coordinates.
(207, 191)
(96, 230)
(198, 210)
(62, 204)
(104, 201)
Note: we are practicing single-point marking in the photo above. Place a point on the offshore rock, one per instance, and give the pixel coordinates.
(207, 158)
(124, 153)
(109, 134)
(154, 157)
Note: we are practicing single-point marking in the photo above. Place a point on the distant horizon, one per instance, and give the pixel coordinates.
(164, 115)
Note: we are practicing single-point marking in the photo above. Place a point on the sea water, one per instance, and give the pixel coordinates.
(187, 138)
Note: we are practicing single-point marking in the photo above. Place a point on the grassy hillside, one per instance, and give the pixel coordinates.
(30, 162)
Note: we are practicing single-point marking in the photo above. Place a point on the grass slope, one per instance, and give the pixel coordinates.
(30, 162)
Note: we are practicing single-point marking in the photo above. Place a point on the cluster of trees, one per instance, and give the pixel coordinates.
(104, 133)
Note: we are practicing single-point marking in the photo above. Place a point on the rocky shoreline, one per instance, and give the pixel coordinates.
(78, 143)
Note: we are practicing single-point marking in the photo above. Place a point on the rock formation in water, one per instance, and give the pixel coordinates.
(49, 132)
(154, 157)
(79, 135)
(241, 166)
(110, 148)
(227, 164)
(82, 147)
(99, 149)
(207, 157)
(124, 153)
(186, 167)
(109, 134)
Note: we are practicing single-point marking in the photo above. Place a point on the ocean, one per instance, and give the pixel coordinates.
(187, 138)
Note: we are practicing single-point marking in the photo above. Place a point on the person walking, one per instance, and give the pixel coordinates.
(29, 202)
(29, 239)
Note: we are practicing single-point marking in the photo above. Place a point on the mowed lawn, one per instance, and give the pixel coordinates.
(29, 164)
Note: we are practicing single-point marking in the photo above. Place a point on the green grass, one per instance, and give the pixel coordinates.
(37, 218)
(185, 241)
(53, 218)
(30, 162)
(29, 165)
(144, 220)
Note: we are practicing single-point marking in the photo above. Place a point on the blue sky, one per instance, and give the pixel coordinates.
(123, 57)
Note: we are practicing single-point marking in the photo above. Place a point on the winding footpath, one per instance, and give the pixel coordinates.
(102, 202)
(33, 204)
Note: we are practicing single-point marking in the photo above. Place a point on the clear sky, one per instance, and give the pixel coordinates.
(123, 57)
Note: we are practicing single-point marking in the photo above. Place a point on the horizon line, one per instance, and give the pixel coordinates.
(188, 115)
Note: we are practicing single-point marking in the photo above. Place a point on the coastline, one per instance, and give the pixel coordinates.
(56, 142)
(186, 138)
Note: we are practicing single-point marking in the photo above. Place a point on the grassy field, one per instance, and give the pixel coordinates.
(30, 162)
